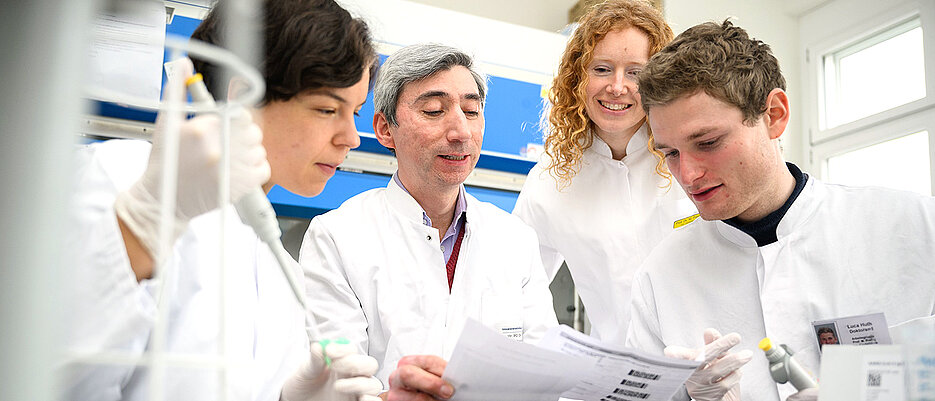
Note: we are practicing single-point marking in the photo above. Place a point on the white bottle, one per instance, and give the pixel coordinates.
(784, 368)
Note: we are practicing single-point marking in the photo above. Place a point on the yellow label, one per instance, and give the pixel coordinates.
(685, 221)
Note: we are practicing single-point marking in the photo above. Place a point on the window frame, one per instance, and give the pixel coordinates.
(831, 73)
(879, 133)
(837, 34)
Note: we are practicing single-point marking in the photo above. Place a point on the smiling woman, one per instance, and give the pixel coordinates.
(595, 200)
(613, 102)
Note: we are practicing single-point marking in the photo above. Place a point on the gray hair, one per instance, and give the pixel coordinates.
(413, 63)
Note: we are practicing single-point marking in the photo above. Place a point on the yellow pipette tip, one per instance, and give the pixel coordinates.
(194, 78)
(766, 344)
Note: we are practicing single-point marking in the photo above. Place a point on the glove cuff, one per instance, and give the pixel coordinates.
(304, 381)
(140, 212)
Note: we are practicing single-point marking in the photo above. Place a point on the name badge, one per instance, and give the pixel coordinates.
(853, 330)
(684, 221)
(512, 332)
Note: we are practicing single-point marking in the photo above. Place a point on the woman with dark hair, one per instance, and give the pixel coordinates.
(318, 64)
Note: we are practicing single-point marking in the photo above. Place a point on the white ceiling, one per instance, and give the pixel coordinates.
(799, 7)
(548, 15)
(552, 15)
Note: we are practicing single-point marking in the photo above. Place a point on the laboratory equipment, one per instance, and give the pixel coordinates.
(783, 368)
(254, 208)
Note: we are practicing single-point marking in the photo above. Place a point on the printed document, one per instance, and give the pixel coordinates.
(127, 49)
(486, 365)
(619, 374)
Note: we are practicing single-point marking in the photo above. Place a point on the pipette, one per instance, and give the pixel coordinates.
(254, 208)
(784, 368)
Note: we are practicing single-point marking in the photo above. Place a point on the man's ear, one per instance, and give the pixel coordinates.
(777, 112)
(381, 128)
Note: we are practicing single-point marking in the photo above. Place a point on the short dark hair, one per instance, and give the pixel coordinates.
(720, 60)
(308, 44)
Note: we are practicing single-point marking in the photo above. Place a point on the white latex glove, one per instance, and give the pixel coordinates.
(718, 378)
(809, 394)
(199, 155)
(350, 377)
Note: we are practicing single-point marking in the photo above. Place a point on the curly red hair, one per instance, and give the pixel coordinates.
(569, 125)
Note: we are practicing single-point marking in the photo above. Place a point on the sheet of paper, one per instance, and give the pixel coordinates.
(486, 365)
(920, 369)
(127, 49)
(622, 374)
(884, 378)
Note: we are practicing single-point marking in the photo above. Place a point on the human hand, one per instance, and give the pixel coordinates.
(350, 376)
(718, 377)
(809, 394)
(199, 156)
(418, 378)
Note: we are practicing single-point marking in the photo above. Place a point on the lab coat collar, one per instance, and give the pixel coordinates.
(801, 210)
(637, 145)
(403, 203)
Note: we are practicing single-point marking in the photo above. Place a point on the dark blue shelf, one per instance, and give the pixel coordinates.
(345, 185)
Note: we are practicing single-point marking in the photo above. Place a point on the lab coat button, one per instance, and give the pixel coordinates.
(428, 237)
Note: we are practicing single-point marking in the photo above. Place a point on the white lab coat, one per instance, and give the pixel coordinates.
(603, 225)
(842, 251)
(109, 311)
(376, 276)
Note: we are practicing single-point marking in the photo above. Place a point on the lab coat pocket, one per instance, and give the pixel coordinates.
(503, 313)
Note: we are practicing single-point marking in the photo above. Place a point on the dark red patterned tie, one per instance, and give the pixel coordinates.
(453, 259)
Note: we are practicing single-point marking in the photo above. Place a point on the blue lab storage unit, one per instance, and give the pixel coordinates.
(511, 115)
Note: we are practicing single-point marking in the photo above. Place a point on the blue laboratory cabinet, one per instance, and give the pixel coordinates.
(511, 114)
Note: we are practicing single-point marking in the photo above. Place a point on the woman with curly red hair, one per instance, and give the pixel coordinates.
(595, 199)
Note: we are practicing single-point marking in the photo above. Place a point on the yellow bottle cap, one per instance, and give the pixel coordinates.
(766, 344)
(194, 78)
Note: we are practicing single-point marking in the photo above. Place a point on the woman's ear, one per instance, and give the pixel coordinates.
(237, 86)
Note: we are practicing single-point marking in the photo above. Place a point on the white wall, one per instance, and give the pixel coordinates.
(504, 49)
(768, 21)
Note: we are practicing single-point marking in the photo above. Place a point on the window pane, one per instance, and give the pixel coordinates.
(877, 74)
(901, 163)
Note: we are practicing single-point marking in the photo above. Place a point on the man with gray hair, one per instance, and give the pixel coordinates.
(377, 266)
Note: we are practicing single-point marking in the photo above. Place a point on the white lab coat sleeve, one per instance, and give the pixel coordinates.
(644, 332)
(526, 210)
(332, 302)
(539, 314)
(552, 260)
(106, 309)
